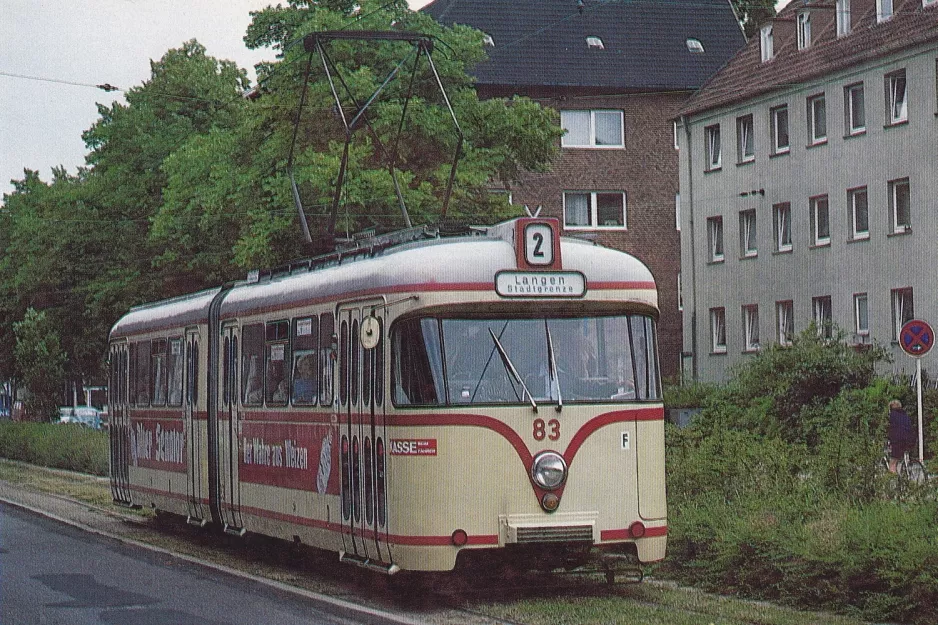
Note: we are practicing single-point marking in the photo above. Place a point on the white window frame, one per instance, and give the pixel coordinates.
(816, 236)
(861, 314)
(895, 186)
(751, 327)
(884, 10)
(713, 146)
(817, 133)
(851, 106)
(745, 141)
(748, 233)
(823, 317)
(782, 223)
(897, 98)
(785, 317)
(766, 40)
(778, 114)
(718, 330)
(680, 292)
(677, 211)
(593, 208)
(804, 30)
(591, 129)
(677, 143)
(842, 8)
(903, 309)
(715, 239)
(855, 207)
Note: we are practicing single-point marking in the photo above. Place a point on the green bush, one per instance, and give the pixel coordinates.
(59, 446)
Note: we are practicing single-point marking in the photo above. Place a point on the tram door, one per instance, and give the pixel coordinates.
(362, 429)
(229, 431)
(119, 423)
(194, 429)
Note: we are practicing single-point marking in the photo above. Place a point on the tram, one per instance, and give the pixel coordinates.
(407, 402)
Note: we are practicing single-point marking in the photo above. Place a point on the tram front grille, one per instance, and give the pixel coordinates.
(553, 533)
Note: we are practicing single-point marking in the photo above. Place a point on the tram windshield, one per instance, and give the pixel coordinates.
(524, 361)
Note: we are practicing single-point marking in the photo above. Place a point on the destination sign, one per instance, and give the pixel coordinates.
(540, 284)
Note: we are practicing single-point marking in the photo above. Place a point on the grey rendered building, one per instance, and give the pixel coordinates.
(808, 181)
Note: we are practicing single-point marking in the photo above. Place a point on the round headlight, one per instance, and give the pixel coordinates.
(549, 470)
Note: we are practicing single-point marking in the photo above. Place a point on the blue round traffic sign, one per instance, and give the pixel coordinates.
(916, 337)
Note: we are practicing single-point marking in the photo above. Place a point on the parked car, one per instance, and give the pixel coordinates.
(86, 416)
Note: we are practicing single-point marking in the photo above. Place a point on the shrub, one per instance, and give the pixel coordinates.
(59, 446)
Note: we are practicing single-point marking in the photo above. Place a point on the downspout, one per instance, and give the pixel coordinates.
(688, 201)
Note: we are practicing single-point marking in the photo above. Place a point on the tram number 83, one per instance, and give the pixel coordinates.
(550, 429)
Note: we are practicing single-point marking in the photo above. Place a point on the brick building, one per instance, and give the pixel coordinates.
(618, 72)
(809, 172)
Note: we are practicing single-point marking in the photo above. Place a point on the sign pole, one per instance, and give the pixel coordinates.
(918, 384)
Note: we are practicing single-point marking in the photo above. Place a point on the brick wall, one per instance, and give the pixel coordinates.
(647, 171)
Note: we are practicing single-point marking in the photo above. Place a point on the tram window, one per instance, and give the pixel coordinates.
(326, 357)
(194, 384)
(643, 348)
(143, 374)
(132, 373)
(277, 356)
(305, 361)
(379, 366)
(343, 363)
(174, 366)
(418, 372)
(158, 372)
(367, 374)
(356, 346)
(252, 364)
(226, 368)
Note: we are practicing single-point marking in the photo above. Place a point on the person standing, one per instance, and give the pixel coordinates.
(901, 437)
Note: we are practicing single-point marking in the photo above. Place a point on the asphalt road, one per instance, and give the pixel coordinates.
(52, 573)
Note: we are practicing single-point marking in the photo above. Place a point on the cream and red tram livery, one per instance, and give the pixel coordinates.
(405, 405)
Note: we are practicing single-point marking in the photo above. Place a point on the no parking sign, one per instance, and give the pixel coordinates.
(916, 338)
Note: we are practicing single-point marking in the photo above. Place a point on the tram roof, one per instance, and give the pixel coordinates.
(440, 264)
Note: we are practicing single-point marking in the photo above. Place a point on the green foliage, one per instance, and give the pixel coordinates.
(777, 490)
(753, 13)
(40, 362)
(69, 447)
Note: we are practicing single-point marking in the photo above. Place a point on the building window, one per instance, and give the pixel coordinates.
(765, 36)
(902, 310)
(594, 209)
(751, 327)
(820, 220)
(694, 46)
(861, 314)
(823, 321)
(677, 211)
(900, 205)
(718, 330)
(785, 316)
(858, 205)
(854, 113)
(782, 222)
(712, 142)
(780, 143)
(817, 119)
(804, 30)
(747, 233)
(883, 10)
(745, 144)
(843, 17)
(715, 238)
(592, 129)
(897, 110)
(595, 43)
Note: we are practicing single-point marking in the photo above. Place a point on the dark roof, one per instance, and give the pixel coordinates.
(543, 42)
(746, 76)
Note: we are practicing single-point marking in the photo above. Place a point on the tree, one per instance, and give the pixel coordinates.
(753, 13)
(41, 364)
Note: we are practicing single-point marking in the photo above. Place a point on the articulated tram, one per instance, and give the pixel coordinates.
(405, 404)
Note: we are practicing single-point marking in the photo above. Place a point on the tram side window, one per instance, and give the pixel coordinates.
(277, 356)
(158, 372)
(417, 368)
(379, 366)
(174, 366)
(252, 363)
(305, 361)
(142, 381)
(326, 357)
(645, 355)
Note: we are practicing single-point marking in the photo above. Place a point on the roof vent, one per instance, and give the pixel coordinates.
(694, 46)
(487, 40)
(595, 42)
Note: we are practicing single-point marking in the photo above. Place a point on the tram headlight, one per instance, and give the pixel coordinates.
(549, 470)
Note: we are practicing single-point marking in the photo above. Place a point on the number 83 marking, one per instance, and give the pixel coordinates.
(550, 429)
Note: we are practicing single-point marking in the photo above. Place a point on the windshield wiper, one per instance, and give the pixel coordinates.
(510, 368)
(552, 362)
